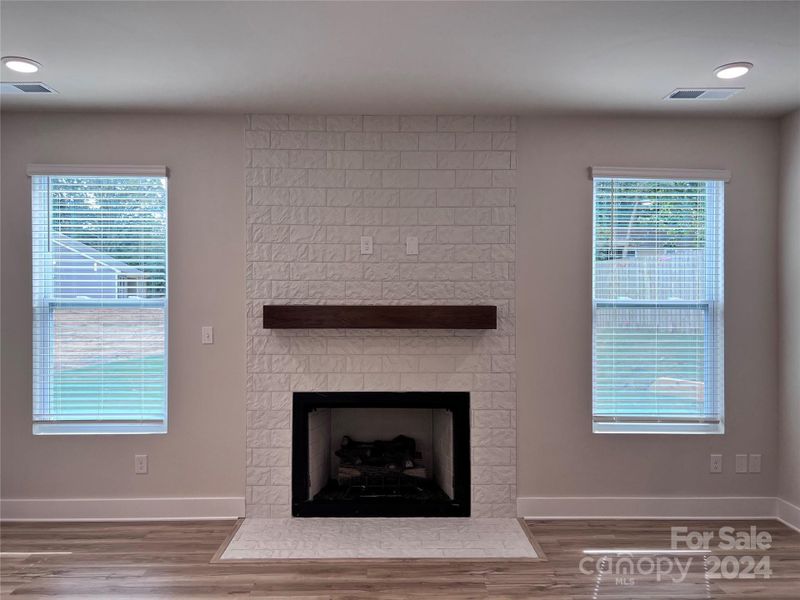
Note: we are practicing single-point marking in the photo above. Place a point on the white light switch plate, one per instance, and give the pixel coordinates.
(754, 465)
(366, 244)
(741, 463)
(412, 245)
(207, 334)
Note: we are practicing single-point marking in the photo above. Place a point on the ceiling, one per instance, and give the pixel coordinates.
(402, 57)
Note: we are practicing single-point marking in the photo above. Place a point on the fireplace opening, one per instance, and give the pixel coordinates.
(381, 454)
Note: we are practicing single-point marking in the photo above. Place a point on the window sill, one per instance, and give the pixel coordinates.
(133, 428)
(659, 428)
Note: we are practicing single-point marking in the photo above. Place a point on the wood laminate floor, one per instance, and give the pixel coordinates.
(172, 560)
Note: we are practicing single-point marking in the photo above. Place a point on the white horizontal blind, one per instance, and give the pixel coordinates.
(657, 305)
(100, 303)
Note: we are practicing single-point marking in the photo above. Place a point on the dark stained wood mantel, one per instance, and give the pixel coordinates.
(329, 316)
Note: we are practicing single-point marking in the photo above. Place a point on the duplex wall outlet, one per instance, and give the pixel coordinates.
(207, 334)
(140, 464)
(741, 463)
(412, 245)
(366, 244)
(754, 465)
(716, 463)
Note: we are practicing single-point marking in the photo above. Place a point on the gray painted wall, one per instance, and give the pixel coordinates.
(789, 406)
(554, 240)
(203, 453)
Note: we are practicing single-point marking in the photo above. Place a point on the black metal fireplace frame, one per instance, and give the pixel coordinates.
(456, 402)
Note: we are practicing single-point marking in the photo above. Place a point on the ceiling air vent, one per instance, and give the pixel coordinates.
(26, 87)
(702, 93)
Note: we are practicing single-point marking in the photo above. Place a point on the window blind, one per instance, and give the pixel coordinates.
(657, 305)
(99, 302)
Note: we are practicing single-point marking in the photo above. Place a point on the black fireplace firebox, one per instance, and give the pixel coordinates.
(380, 454)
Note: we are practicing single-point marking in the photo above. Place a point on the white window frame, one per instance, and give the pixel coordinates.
(45, 325)
(713, 309)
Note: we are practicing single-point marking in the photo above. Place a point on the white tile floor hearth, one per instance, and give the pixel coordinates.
(333, 538)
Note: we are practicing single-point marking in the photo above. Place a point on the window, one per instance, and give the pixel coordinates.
(658, 302)
(131, 286)
(99, 299)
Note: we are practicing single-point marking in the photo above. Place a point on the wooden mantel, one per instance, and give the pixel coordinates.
(327, 316)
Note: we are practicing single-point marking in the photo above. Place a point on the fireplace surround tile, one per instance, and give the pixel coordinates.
(305, 220)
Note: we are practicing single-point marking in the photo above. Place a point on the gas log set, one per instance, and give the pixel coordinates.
(385, 459)
(381, 469)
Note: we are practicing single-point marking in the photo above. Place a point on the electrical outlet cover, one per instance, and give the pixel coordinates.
(366, 244)
(716, 463)
(140, 464)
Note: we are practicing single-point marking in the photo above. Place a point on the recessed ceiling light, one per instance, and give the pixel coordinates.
(733, 70)
(21, 64)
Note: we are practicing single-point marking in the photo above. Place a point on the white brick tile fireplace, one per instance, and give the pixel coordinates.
(315, 186)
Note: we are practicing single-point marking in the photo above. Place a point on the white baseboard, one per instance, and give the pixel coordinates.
(788, 514)
(577, 507)
(629, 507)
(120, 509)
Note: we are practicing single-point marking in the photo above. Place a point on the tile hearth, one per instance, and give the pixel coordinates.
(335, 538)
